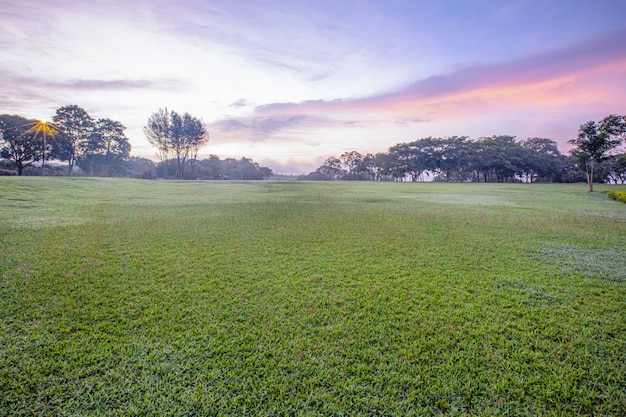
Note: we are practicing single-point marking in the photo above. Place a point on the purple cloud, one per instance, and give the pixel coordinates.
(572, 60)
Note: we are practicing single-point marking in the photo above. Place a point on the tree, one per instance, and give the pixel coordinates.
(388, 165)
(331, 168)
(105, 149)
(76, 126)
(498, 158)
(175, 136)
(541, 159)
(450, 157)
(46, 130)
(352, 161)
(413, 158)
(24, 141)
(595, 140)
(157, 133)
(136, 167)
(211, 167)
(616, 169)
(197, 137)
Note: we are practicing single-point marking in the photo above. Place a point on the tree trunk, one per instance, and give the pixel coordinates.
(590, 177)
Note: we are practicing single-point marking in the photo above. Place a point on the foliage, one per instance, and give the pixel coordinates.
(98, 147)
(453, 159)
(595, 140)
(615, 168)
(215, 168)
(125, 297)
(18, 143)
(332, 169)
(76, 126)
(105, 149)
(136, 167)
(617, 196)
(175, 136)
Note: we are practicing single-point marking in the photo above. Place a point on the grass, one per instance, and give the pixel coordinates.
(126, 297)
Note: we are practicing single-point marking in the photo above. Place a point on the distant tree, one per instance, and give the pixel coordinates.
(332, 169)
(449, 157)
(314, 176)
(388, 166)
(500, 158)
(265, 173)
(366, 167)
(229, 169)
(136, 167)
(76, 126)
(197, 137)
(616, 168)
(158, 133)
(247, 169)
(569, 170)
(45, 130)
(411, 159)
(540, 161)
(352, 161)
(105, 149)
(210, 168)
(379, 162)
(19, 143)
(595, 140)
(177, 137)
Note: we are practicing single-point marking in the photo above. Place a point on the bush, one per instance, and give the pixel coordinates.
(617, 196)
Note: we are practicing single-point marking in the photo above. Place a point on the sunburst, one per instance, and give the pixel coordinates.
(41, 127)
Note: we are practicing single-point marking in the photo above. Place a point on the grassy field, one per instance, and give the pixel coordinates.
(143, 298)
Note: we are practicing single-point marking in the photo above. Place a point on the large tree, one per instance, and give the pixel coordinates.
(617, 168)
(596, 140)
(331, 168)
(105, 149)
(540, 159)
(158, 133)
(175, 136)
(352, 161)
(20, 141)
(76, 126)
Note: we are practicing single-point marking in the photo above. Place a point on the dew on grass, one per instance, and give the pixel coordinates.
(607, 262)
(464, 199)
(38, 222)
(608, 214)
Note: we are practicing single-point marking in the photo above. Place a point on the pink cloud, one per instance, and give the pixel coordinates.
(586, 74)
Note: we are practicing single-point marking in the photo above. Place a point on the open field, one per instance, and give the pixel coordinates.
(127, 297)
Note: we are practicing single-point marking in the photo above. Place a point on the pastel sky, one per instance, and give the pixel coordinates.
(292, 82)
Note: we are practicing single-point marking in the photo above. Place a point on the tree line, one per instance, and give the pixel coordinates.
(594, 157)
(99, 147)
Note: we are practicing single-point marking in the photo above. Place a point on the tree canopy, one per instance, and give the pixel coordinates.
(18, 144)
(76, 126)
(176, 137)
(457, 158)
(595, 140)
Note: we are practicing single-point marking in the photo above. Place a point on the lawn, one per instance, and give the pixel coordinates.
(125, 297)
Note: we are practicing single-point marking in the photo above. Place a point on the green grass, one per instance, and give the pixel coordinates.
(143, 298)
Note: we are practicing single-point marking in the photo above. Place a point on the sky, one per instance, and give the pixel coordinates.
(290, 83)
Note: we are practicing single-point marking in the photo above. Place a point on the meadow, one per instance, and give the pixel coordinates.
(126, 297)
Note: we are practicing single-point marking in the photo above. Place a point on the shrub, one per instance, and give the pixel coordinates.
(617, 196)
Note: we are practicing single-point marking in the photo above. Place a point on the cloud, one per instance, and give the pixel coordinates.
(239, 103)
(102, 84)
(568, 76)
(261, 128)
(538, 95)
